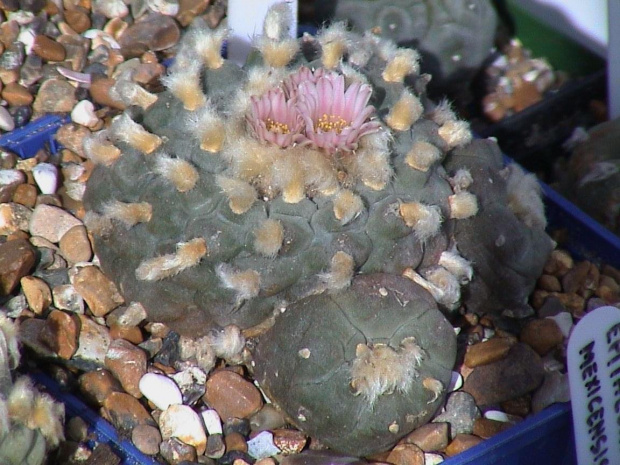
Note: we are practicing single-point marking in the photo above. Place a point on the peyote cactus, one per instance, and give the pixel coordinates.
(314, 180)
(454, 37)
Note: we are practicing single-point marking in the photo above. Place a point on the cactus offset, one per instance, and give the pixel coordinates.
(313, 179)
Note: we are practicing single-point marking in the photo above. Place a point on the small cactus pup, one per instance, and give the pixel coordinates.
(360, 368)
(319, 179)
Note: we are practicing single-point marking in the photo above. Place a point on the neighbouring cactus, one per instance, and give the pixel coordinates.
(455, 37)
(313, 192)
(31, 422)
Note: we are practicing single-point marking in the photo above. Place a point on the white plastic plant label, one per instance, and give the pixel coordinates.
(594, 376)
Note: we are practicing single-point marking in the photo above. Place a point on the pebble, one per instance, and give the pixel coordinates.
(146, 438)
(519, 373)
(160, 390)
(130, 315)
(6, 120)
(164, 7)
(430, 437)
(51, 222)
(232, 395)
(78, 19)
(84, 113)
(97, 385)
(127, 363)
(55, 96)
(14, 217)
(111, 8)
(176, 452)
(486, 428)
(17, 259)
(46, 177)
(93, 343)
(267, 418)
(156, 32)
(191, 381)
(406, 454)
(488, 351)
(212, 421)
(542, 335)
(48, 49)
(66, 298)
(26, 195)
(132, 334)
(17, 95)
(574, 278)
(554, 389)
(433, 459)
(125, 412)
(99, 292)
(262, 445)
(216, 447)
(460, 412)
(71, 136)
(289, 441)
(61, 333)
(38, 293)
(99, 92)
(75, 245)
(461, 443)
(236, 441)
(182, 422)
(564, 320)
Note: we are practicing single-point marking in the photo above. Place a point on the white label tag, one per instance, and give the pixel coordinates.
(594, 376)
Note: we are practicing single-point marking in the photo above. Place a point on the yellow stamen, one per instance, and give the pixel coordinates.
(277, 127)
(327, 123)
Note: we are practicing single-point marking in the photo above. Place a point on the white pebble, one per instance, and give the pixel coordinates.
(26, 37)
(564, 320)
(432, 459)
(488, 333)
(165, 7)
(11, 176)
(160, 390)
(111, 8)
(182, 422)
(46, 177)
(261, 446)
(6, 120)
(496, 415)
(21, 17)
(75, 190)
(212, 421)
(456, 382)
(99, 35)
(84, 113)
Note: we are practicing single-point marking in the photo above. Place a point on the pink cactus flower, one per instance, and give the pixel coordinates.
(335, 118)
(303, 74)
(275, 119)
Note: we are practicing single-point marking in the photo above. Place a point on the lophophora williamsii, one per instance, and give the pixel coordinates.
(315, 199)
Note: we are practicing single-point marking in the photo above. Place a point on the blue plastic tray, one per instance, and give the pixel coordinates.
(546, 438)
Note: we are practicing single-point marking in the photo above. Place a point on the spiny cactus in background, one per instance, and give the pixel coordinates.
(454, 37)
(314, 182)
(31, 422)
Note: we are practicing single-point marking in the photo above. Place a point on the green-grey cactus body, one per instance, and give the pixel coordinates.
(314, 189)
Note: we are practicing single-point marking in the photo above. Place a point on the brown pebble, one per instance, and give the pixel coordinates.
(575, 278)
(612, 272)
(26, 195)
(100, 93)
(216, 447)
(550, 283)
(175, 451)
(99, 292)
(72, 136)
(75, 245)
(542, 335)
(77, 18)
(17, 95)
(156, 32)
(574, 303)
(608, 289)
(48, 49)
(97, 385)
(54, 96)
(488, 351)
(61, 333)
(406, 454)
(266, 461)
(14, 217)
(289, 441)
(485, 427)
(127, 363)
(189, 9)
(519, 373)
(559, 263)
(38, 293)
(231, 395)
(146, 438)
(519, 406)
(430, 437)
(17, 258)
(132, 334)
(461, 443)
(235, 442)
(125, 411)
